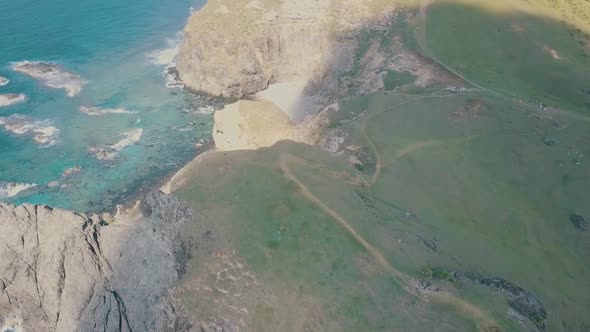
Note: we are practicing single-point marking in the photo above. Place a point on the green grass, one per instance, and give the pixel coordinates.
(488, 191)
(508, 52)
(471, 173)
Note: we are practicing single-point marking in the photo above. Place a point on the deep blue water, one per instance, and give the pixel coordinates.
(108, 43)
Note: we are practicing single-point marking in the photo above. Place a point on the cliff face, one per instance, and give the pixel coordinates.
(63, 271)
(237, 48)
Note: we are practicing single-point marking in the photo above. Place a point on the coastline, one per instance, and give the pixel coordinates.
(129, 199)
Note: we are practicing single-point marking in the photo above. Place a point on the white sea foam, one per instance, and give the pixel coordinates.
(51, 75)
(4, 81)
(9, 189)
(172, 79)
(96, 111)
(110, 152)
(8, 99)
(206, 110)
(166, 56)
(43, 131)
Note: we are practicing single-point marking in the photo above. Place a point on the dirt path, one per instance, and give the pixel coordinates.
(402, 279)
(408, 284)
(378, 159)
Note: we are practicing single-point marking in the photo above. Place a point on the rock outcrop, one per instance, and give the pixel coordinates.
(62, 271)
(252, 124)
(238, 48)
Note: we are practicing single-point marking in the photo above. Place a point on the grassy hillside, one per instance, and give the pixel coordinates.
(464, 184)
(431, 195)
(535, 50)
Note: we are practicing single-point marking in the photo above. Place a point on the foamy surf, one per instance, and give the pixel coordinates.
(206, 110)
(172, 78)
(43, 131)
(9, 189)
(4, 81)
(97, 111)
(110, 152)
(166, 56)
(8, 99)
(51, 75)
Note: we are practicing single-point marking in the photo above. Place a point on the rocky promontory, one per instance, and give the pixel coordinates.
(237, 48)
(63, 271)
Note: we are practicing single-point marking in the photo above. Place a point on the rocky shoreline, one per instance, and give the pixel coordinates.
(67, 271)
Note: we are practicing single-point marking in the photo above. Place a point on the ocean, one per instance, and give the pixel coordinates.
(88, 162)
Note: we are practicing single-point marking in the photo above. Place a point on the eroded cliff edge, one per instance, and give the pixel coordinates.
(336, 48)
(64, 271)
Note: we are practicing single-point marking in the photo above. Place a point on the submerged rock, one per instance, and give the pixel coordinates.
(110, 152)
(579, 222)
(43, 131)
(51, 75)
(8, 99)
(4, 81)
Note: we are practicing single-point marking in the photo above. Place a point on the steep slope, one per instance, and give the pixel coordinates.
(238, 48)
(63, 271)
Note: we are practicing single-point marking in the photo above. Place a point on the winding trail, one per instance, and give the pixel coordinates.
(407, 283)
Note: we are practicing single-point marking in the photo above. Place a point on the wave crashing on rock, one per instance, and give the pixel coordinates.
(110, 152)
(97, 111)
(9, 189)
(4, 81)
(43, 131)
(51, 75)
(8, 99)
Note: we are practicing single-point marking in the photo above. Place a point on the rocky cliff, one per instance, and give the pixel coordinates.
(62, 271)
(237, 48)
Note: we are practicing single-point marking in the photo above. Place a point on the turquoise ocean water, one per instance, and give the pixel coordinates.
(113, 45)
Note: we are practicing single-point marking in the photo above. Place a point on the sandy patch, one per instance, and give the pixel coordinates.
(223, 10)
(254, 5)
(248, 125)
(290, 97)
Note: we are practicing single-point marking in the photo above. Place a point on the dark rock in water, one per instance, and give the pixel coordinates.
(520, 300)
(579, 222)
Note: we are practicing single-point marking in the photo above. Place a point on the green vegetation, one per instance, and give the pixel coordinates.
(471, 171)
(510, 51)
(478, 182)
